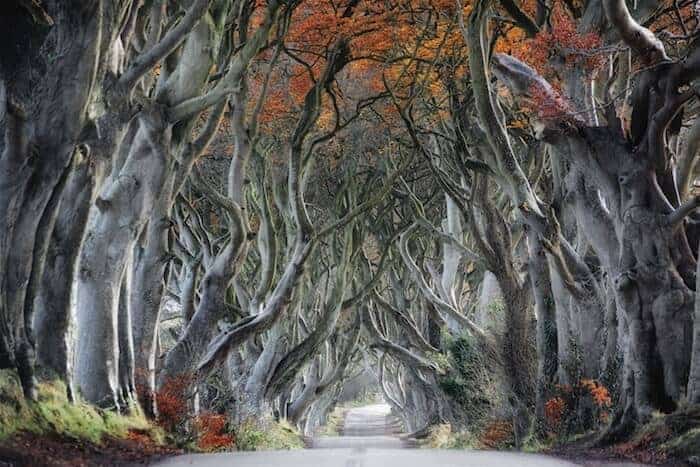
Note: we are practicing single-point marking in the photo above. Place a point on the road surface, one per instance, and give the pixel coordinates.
(368, 441)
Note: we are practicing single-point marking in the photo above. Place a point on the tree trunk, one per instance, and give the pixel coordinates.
(127, 384)
(53, 319)
(182, 359)
(116, 222)
(545, 312)
(517, 353)
(262, 370)
(59, 111)
(147, 286)
(694, 379)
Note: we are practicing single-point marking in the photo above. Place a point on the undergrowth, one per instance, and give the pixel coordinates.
(273, 436)
(442, 436)
(467, 381)
(675, 436)
(53, 413)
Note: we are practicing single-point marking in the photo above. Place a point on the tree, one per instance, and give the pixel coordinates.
(466, 195)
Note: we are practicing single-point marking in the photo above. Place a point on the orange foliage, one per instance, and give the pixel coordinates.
(388, 40)
(598, 392)
(565, 404)
(140, 437)
(554, 410)
(497, 434)
(173, 412)
(211, 428)
(549, 106)
(171, 400)
(562, 42)
(670, 24)
(415, 45)
(643, 449)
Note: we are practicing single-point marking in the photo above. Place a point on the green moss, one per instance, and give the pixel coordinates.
(53, 413)
(273, 436)
(467, 380)
(13, 411)
(685, 445)
(495, 309)
(676, 435)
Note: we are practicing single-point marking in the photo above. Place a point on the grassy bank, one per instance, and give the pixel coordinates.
(54, 431)
(54, 414)
(270, 437)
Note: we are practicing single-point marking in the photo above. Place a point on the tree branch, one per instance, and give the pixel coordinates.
(173, 38)
(684, 210)
(405, 356)
(639, 38)
(407, 324)
(231, 82)
(520, 17)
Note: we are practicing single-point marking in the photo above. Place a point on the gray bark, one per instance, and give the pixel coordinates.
(58, 114)
(54, 320)
(127, 383)
(147, 286)
(117, 219)
(545, 313)
(694, 378)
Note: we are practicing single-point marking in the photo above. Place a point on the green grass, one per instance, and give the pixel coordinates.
(271, 437)
(53, 413)
(684, 445)
(677, 434)
(534, 445)
(443, 437)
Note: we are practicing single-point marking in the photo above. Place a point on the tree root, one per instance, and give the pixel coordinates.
(674, 436)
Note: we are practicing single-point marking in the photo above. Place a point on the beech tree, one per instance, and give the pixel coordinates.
(477, 204)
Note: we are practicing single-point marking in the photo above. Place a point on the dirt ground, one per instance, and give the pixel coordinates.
(614, 454)
(32, 450)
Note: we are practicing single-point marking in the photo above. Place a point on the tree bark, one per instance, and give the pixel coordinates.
(54, 321)
(59, 113)
(117, 220)
(545, 313)
(147, 286)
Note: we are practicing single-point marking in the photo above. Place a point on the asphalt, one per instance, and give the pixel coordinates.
(369, 427)
(369, 440)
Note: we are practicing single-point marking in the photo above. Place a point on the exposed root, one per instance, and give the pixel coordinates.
(621, 428)
(675, 436)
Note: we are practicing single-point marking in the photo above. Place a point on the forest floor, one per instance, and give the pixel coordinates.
(672, 439)
(613, 455)
(30, 450)
(27, 449)
(54, 431)
(368, 434)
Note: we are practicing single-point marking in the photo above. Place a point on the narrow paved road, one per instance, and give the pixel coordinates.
(368, 441)
(364, 428)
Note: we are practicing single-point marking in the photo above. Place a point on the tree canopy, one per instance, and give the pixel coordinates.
(488, 206)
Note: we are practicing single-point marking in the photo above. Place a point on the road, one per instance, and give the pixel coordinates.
(368, 441)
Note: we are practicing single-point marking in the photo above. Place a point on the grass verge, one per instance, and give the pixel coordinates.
(54, 414)
(271, 437)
